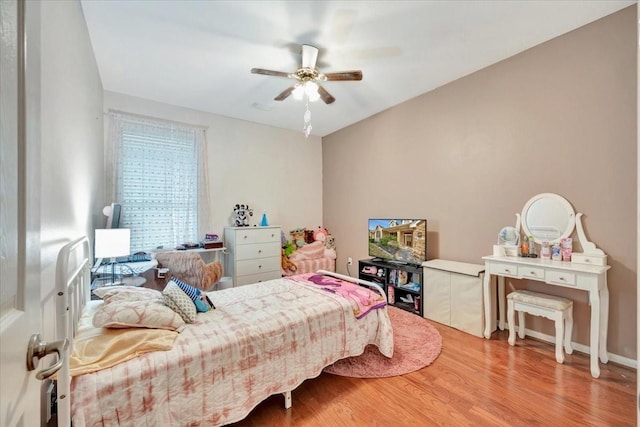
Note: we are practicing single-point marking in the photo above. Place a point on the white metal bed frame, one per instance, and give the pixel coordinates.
(73, 291)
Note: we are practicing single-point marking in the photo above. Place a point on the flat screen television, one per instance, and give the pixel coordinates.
(398, 240)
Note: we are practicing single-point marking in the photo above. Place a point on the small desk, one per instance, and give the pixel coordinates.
(208, 255)
(125, 268)
(130, 272)
(590, 278)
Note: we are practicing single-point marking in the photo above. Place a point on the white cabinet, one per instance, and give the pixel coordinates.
(453, 295)
(254, 254)
(436, 303)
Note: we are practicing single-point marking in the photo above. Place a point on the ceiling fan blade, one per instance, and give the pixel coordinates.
(343, 75)
(284, 94)
(325, 96)
(309, 56)
(270, 72)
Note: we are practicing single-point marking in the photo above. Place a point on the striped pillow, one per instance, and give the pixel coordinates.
(194, 294)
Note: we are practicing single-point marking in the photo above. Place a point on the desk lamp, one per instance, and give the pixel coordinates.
(113, 243)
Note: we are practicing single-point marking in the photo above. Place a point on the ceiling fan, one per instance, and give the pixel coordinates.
(308, 76)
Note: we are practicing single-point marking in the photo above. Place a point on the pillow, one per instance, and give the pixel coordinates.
(178, 301)
(151, 313)
(99, 348)
(194, 294)
(126, 293)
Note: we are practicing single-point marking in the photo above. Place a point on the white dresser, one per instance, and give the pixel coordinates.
(254, 254)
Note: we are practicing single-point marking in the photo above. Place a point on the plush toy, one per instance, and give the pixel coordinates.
(191, 269)
(289, 248)
(297, 236)
(242, 213)
(308, 236)
(287, 264)
(331, 242)
(320, 234)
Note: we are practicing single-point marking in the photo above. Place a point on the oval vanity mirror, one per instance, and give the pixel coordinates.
(548, 217)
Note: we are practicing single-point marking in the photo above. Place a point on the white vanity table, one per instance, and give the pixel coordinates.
(549, 217)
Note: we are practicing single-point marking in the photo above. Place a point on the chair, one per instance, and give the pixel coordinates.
(558, 309)
(190, 268)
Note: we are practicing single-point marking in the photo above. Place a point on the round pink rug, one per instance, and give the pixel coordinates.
(416, 344)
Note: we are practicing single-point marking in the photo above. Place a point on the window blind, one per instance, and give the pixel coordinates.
(157, 181)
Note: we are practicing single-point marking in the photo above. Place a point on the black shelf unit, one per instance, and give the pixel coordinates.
(398, 281)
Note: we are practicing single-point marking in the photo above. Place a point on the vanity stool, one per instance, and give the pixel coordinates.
(552, 307)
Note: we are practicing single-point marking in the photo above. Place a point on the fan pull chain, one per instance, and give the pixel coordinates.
(307, 121)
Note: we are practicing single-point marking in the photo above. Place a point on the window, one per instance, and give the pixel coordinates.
(158, 177)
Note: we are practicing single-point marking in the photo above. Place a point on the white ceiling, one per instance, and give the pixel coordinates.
(198, 54)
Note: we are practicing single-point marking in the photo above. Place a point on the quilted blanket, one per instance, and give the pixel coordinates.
(363, 300)
(262, 339)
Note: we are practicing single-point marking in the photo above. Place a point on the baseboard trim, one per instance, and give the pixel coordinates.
(621, 360)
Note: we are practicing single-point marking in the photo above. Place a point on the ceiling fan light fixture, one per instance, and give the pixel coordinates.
(306, 87)
(314, 97)
(311, 90)
(298, 92)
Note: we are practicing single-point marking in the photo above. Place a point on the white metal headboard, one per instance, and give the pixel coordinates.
(73, 290)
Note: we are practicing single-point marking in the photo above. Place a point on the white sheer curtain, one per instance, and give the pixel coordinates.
(157, 170)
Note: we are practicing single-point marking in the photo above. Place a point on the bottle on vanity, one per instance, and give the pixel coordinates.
(532, 247)
(545, 251)
(567, 248)
(524, 248)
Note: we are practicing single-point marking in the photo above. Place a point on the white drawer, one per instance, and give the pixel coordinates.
(257, 250)
(561, 277)
(531, 272)
(259, 265)
(504, 270)
(257, 235)
(580, 258)
(255, 278)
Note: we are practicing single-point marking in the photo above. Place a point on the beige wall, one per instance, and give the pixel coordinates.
(271, 169)
(71, 123)
(560, 117)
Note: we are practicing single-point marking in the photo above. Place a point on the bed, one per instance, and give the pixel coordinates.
(262, 339)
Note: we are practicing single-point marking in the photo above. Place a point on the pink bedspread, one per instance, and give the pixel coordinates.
(263, 339)
(363, 300)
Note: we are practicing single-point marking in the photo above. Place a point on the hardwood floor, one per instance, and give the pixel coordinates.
(474, 382)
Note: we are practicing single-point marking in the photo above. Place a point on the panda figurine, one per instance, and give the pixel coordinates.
(242, 213)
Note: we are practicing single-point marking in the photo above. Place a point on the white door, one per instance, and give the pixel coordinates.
(19, 209)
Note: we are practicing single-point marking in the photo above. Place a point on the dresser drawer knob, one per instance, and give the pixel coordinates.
(259, 266)
(259, 251)
(506, 270)
(533, 273)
